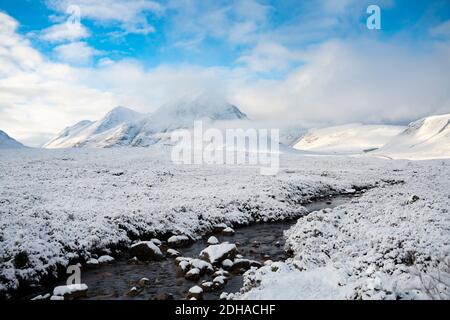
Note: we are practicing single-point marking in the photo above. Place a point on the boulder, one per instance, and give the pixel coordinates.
(227, 264)
(163, 296)
(146, 251)
(195, 292)
(173, 253)
(105, 259)
(71, 292)
(219, 227)
(193, 275)
(219, 252)
(144, 282)
(179, 241)
(227, 231)
(213, 240)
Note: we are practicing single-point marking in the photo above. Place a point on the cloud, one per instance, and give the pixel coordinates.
(64, 32)
(441, 30)
(129, 15)
(77, 53)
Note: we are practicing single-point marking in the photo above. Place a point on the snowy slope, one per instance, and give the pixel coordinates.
(6, 142)
(125, 127)
(348, 139)
(428, 138)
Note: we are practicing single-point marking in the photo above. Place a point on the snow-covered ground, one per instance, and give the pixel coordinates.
(391, 243)
(58, 206)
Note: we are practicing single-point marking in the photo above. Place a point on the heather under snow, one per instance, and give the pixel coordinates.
(60, 206)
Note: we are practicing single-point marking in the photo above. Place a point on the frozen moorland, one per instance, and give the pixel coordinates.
(61, 206)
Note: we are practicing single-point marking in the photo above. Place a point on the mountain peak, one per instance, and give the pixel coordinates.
(6, 142)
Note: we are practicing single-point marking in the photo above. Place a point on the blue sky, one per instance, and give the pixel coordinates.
(303, 63)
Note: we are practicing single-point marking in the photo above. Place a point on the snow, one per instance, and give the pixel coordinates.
(60, 206)
(388, 244)
(105, 259)
(125, 127)
(213, 240)
(347, 139)
(6, 142)
(70, 289)
(218, 252)
(177, 239)
(428, 138)
(196, 290)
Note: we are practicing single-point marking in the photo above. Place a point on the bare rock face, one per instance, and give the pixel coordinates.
(219, 252)
(146, 251)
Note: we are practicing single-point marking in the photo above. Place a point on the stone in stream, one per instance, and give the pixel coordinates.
(221, 272)
(240, 265)
(227, 232)
(227, 264)
(193, 275)
(207, 286)
(144, 282)
(92, 263)
(195, 292)
(179, 241)
(217, 253)
(219, 227)
(146, 251)
(219, 282)
(173, 253)
(213, 240)
(133, 292)
(157, 242)
(71, 292)
(163, 296)
(105, 259)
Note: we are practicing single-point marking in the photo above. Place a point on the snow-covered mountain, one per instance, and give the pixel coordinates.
(125, 127)
(348, 139)
(6, 142)
(427, 138)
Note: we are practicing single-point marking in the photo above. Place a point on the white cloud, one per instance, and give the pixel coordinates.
(78, 53)
(338, 81)
(130, 15)
(64, 31)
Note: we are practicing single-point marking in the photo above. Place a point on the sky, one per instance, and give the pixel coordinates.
(302, 63)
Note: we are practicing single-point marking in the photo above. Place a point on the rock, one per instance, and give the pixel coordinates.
(143, 282)
(256, 244)
(221, 272)
(157, 242)
(195, 292)
(133, 260)
(146, 251)
(219, 227)
(193, 275)
(227, 264)
(219, 282)
(213, 240)
(179, 241)
(163, 296)
(105, 259)
(46, 296)
(56, 298)
(219, 252)
(278, 244)
(227, 232)
(207, 286)
(241, 265)
(71, 292)
(92, 263)
(223, 296)
(173, 253)
(133, 292)
(268, 262)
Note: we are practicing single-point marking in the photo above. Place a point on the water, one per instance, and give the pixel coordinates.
(257, 242)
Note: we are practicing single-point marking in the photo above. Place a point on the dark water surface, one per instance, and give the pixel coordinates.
(259, 242)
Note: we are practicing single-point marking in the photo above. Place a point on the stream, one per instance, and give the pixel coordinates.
(260, 242)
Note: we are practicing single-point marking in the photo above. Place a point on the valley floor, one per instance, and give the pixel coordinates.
(60, 206)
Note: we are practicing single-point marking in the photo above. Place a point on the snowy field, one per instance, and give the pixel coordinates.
(60, 206)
